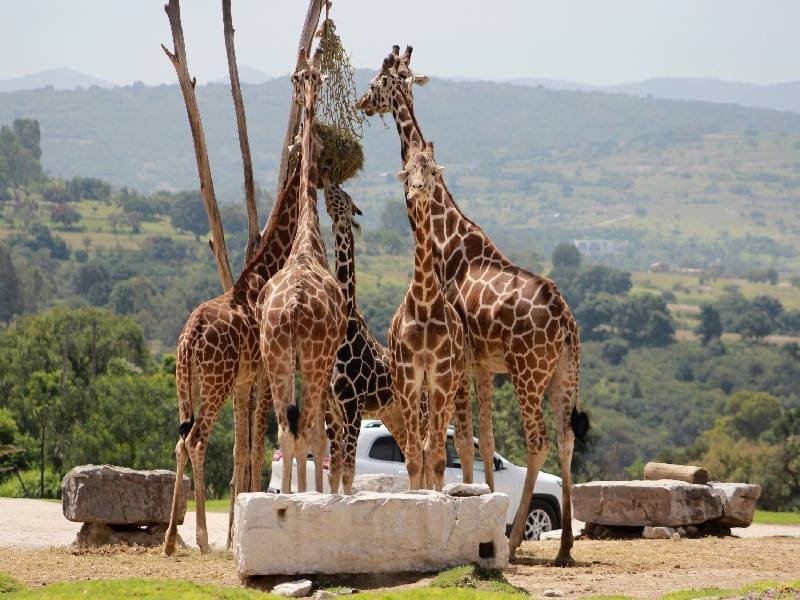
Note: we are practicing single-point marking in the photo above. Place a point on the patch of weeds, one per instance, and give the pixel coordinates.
(9, 584)
(765, 589)
(471, 576)
(614, 597)
(142, 589)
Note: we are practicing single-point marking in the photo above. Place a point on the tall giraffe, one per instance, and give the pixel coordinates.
(218, 353)
(426, 337)
(302, 310)
(362, 377)
(516, 322)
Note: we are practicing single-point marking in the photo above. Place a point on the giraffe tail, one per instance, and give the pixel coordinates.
(578, 420)
(183, 375)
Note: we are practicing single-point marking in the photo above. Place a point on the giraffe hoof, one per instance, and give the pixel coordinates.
(564, 560)
(169, 549)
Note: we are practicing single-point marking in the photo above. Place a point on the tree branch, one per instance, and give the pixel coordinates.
(306, 37)
(253, 233)
(178, 60)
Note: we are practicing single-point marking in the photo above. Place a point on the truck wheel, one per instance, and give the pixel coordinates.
(541, 518)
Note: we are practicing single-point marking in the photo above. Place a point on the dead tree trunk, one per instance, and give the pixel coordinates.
(178, 60)
(253, 233)
(306, 37)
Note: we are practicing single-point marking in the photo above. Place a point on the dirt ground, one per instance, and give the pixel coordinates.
(640, 568)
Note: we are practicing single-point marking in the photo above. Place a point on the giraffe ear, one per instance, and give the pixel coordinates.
(402, 176)
(437, 169)
(421, 79)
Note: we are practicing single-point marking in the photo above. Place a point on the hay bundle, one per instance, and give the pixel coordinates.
(339, 124)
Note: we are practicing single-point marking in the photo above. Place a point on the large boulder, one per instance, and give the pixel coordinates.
(738, 502)
(641, 503)
(369, 532)
(120, 496)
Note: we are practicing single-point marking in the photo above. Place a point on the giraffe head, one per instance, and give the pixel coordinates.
(307, 79)
(340, 206)
(420, 172)
(395, 77)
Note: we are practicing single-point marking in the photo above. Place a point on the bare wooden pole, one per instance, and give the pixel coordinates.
(178, 60)
(253, 233)
(306, 37)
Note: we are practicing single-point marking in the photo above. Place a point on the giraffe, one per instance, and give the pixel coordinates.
(218, 353)
(302, 310)
(516, 322)
(362, 378)
(426, 338)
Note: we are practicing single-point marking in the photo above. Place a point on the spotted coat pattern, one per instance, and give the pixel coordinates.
(302, 310)
(516, 322)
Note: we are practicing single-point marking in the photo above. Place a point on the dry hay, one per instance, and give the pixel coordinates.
(341, 154)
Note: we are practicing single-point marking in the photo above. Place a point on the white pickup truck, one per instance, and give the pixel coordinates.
(377, 452)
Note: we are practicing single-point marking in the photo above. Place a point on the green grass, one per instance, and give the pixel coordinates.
(768, 517)
(221, 505)
(472, 577)
(155, 588)
(9, 584)
(761, 586)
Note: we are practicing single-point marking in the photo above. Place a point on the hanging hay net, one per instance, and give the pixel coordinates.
(339, 124)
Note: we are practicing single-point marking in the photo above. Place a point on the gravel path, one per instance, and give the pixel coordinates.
(28, 524)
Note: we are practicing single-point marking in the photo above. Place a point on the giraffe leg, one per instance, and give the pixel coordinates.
(529, 395)
(196, 446)
(408, 394)
(463, 429)
(350, 441)
(241, 449)
(282, 387)
(484, 387)
(333, 417)
(318, 447)
(435, 453)
(182, 457)
(560, 392)
(259, 428)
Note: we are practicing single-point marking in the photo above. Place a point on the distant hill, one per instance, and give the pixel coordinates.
(247, 74)
(138, 135)
(779, 96)
(61, 79)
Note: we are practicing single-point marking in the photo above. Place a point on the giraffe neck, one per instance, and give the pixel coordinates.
(424, 287)
(309, 237)
(448, 223)
(276, 237)
(346, 265)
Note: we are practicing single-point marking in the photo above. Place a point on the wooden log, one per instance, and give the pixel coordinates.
(178, 60)
(687, 473)
(253, 234)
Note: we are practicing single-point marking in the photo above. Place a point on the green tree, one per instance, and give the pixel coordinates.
(614, 351)
(29, 136)
(65, 214)
(187, 213)
(710, 326)
(566, 254)
(395, 217)
(10, 293)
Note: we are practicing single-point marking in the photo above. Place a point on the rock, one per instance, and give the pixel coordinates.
(323, 595)
(691, 530)
(658, 533)
(293, 589)
(738, 502)
(120, 496)
(676, 537)
(369, 532)
(553, 594)
(642, 503)
(100, 534)
(380, 482)
(466, 490)
(682, 532)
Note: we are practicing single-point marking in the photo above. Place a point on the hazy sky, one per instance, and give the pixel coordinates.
(589, 41)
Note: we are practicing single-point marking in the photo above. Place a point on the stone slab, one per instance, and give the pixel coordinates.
(641, 503)
(370, 532)
(738, 502)
(120, 496)
(465, 490)
(380, 482)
